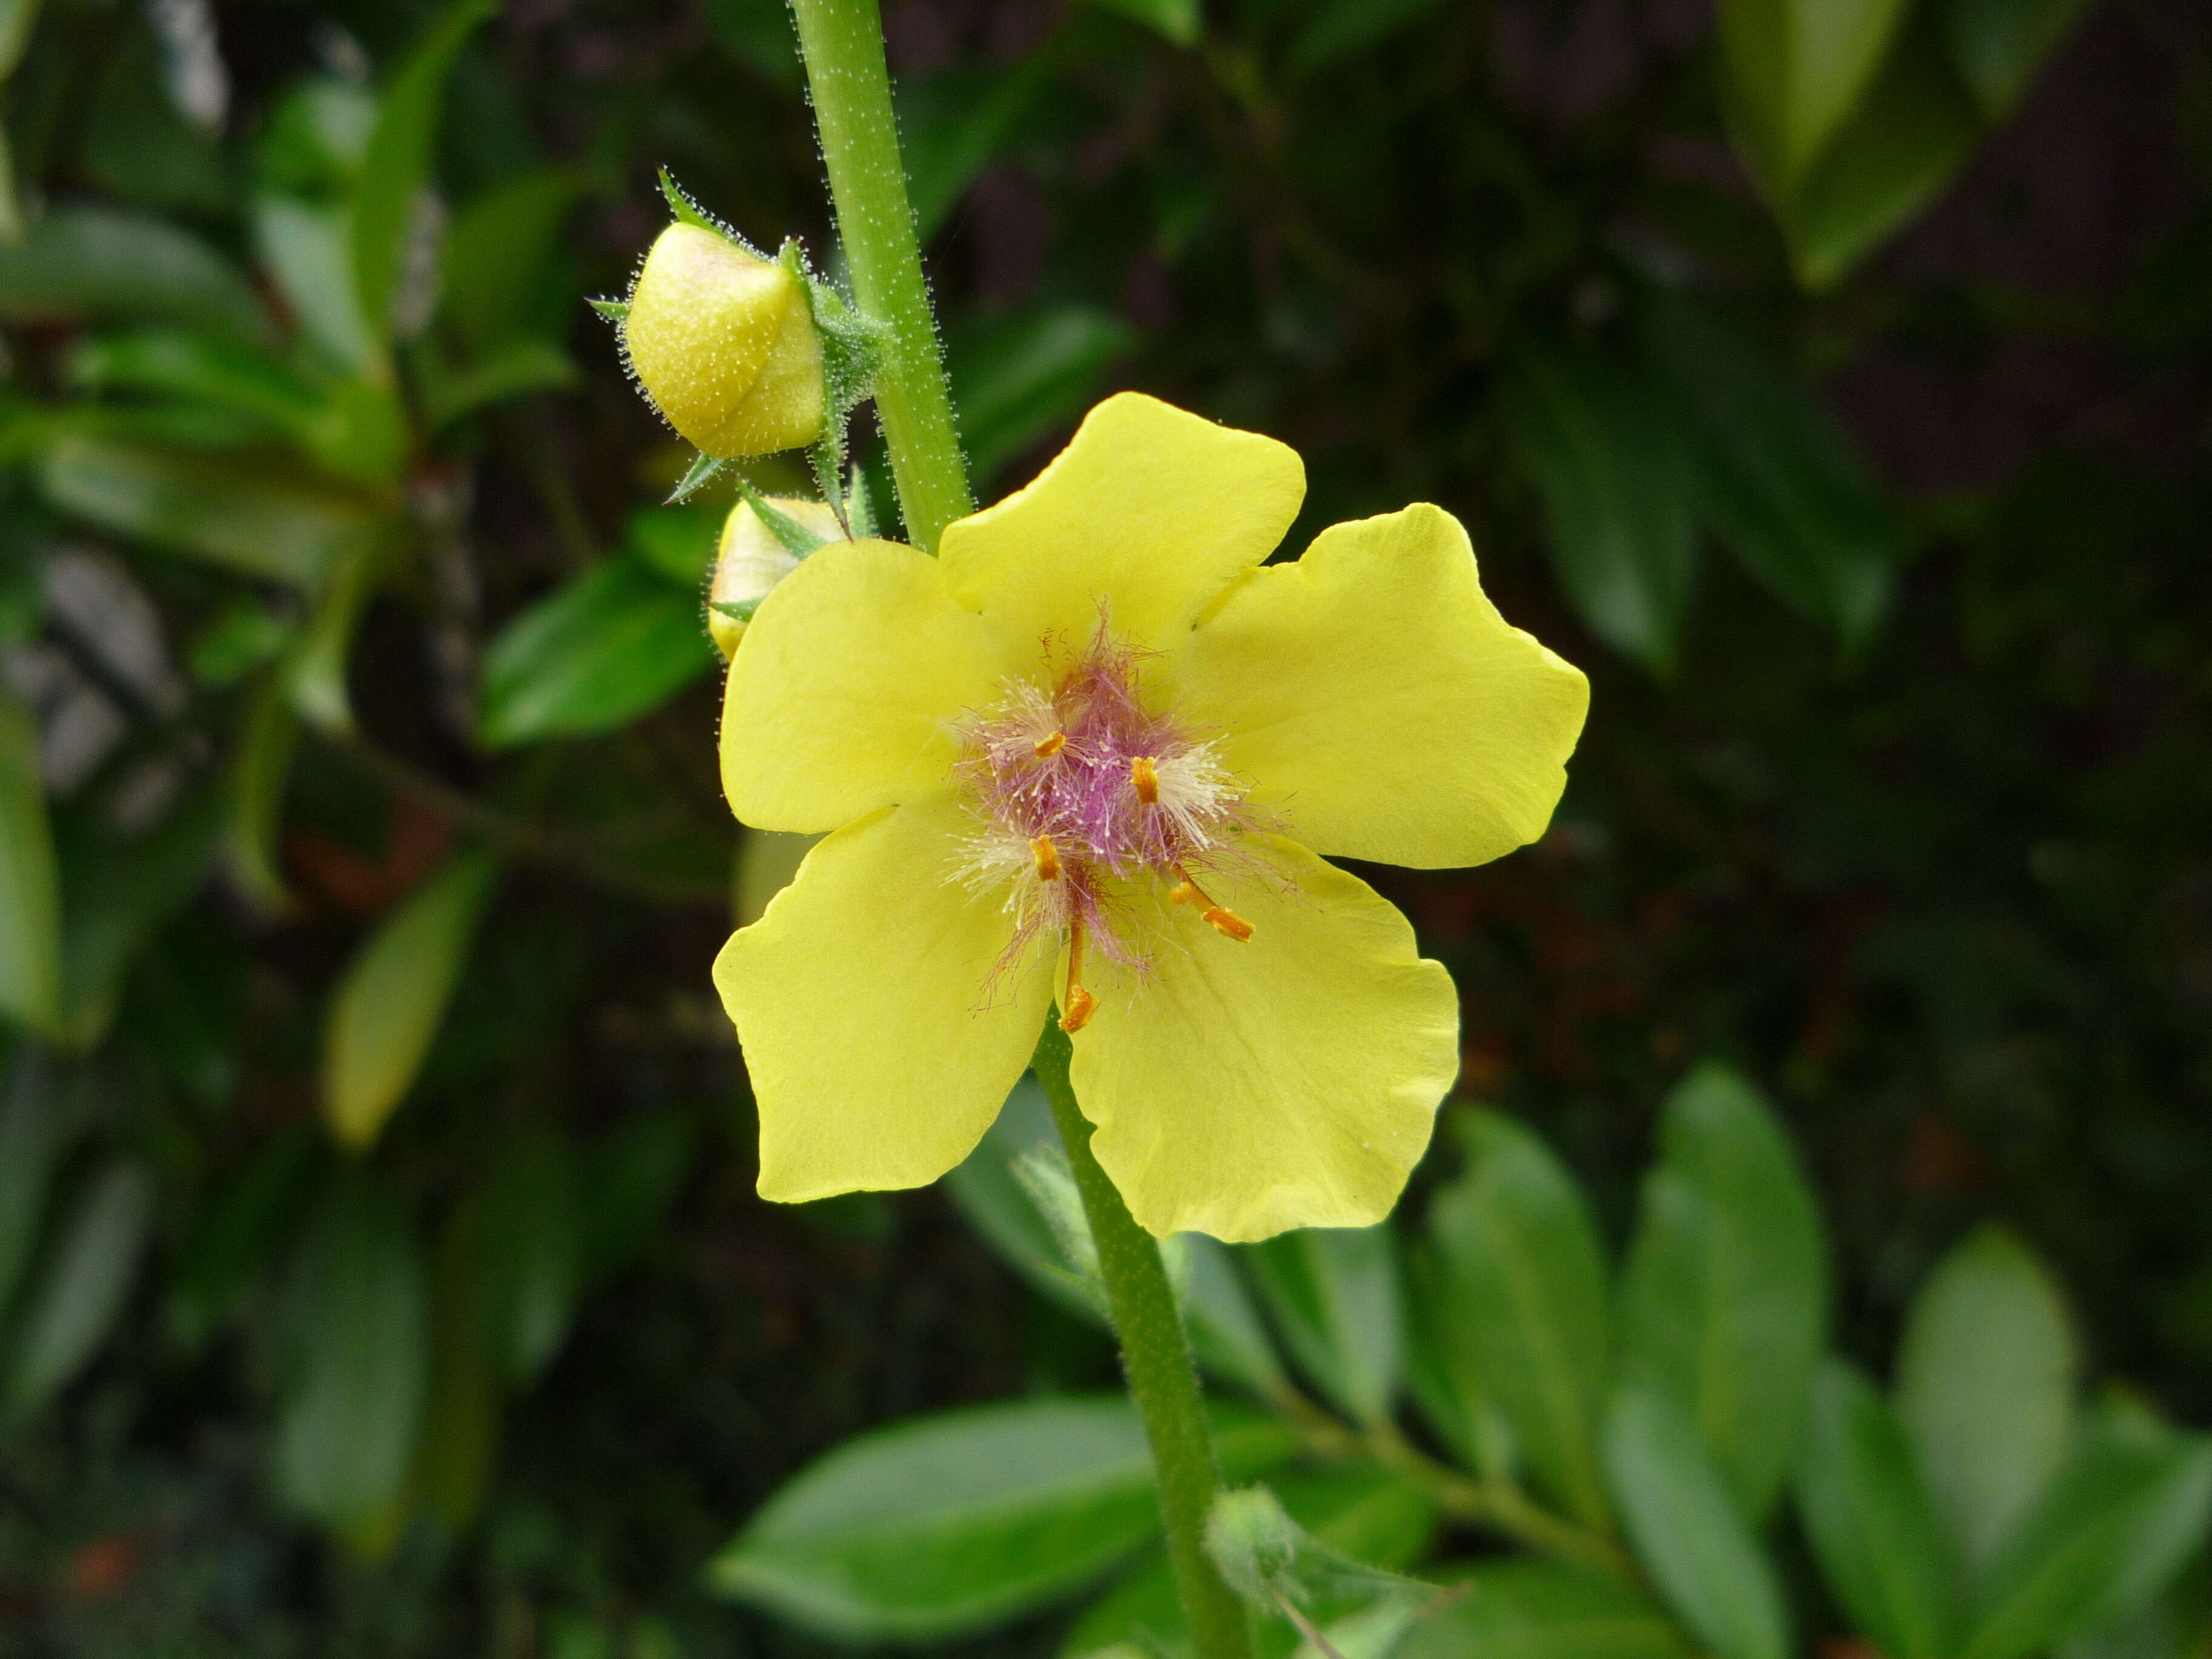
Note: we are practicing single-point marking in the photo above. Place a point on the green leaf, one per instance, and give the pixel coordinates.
(498, 255)
(1342, 29)
(2108, 1534)
(1797, 68)
(1998, 45)
(260, 765)
(1178, 21)
(36, 1129)
(630, 1180)
(513, 369)
(393, 997)
(612, 644)
(986, 1191)
(82, 264)
(531, 1240)
(1332, 1293)
(245, 1220)
(259, 520)
(1688, 1531)
(953, 1523)
(30, 884)
(678, 542)
(315, 671)
(1522, 1279)
(1724, 1304)
(1018, 378)
(1985, 1383)
(1777, 482)
(396, 166)
(357, 1358)
(1374, 1515)
(81, 1294)
(307, 247)
(1617, 487)
(458, 1444)
(1871, 1521)
(1227, 1336)
(1915, 129)
(118, 891)
(1531, 1609)
(952, 122)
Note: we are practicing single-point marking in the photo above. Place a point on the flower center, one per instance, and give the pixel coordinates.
(1084, 796)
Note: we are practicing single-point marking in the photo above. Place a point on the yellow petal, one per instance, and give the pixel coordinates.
(840, 693)
(860, 1000)
(1291, 1080)
(1372, 695)
(1149, 510)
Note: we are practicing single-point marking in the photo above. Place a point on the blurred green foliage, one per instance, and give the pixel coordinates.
(377, 1269)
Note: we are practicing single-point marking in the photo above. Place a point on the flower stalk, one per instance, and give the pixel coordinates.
(1163, 1377)
(842, 44)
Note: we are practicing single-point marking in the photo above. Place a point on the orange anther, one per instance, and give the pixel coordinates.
(1047, 859)
(1081, 1005)
(1183, 892)
(1144, 780)
(1051, 744)
(1227, 923)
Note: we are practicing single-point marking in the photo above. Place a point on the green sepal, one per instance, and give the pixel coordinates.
(615, 311)
(689, 212)
(797, 540)
(828, 458)
(859, 508)
(852, 344)
(1272, 1562)
(703, 470)
(736, 610)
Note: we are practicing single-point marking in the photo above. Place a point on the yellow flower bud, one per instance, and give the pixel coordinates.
(750, 560)
(724, 343)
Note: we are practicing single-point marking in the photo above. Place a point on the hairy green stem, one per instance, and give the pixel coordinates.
(1163, 1377)
(842, 43)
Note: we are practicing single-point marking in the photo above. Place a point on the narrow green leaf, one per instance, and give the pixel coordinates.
(1018, 378)
(118, 890)
(357, 1360)
(1531, 1609)
(1985, 1383)
(1871, 1521)
(531, 1245)
(393, 997)
(37, 1128)
(1724, 1304)
(1374, 1515)
(957, 1522)
(2109, 1533)
(81, 1294)
(1522, 1279)
(245, 1221)
(255, 520)
(1617, 486)
(1998, 45)
(1916, 127)
(315, 671)
(797, 538)
(703, 470)
(1799, 67)
(30, 885)
(500, 254)
(458, 1444)
(612, 644)
(77, 264)
(1333, 1295)
(1176, 21)
(260, 767)
(396, 166)
(307, 247)
(984, 1187)
(1683, 1524)
(1777, 482)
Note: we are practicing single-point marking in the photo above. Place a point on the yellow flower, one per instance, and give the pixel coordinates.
(750, 561)
(725, 345)
(1097, 753)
